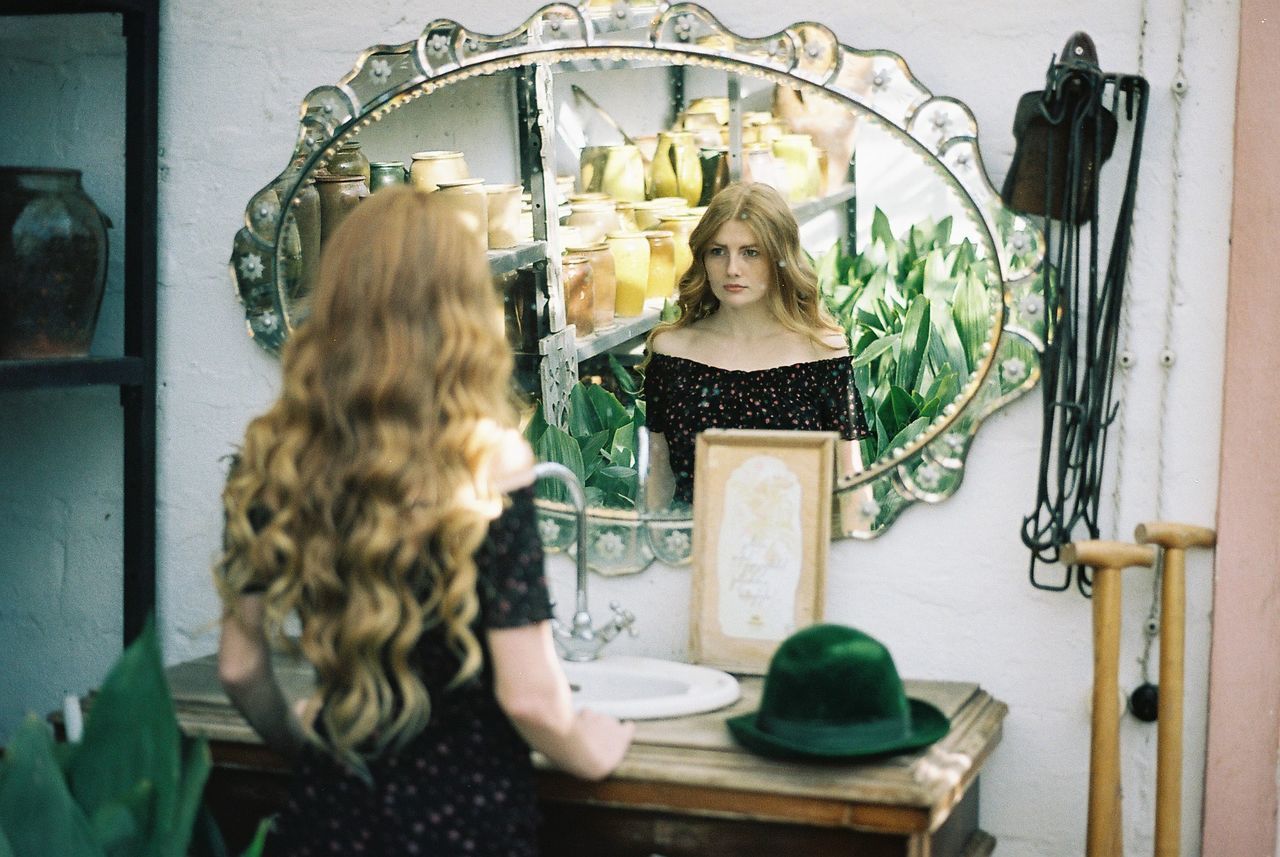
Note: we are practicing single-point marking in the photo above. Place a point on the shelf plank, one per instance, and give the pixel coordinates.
(71, 372)
(625, 330)
(521, 256)
(806, 211)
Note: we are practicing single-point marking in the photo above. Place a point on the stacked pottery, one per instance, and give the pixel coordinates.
(681, 227)
(594, 220)
(623, 177)
(662, 264)
(428, 169)
(339, 195)
(467, 197)
(677, 170)
(579, 293)
(53, 252)
(305, 208)
(504, 215)
(800, 161)
(348, 160)
(385, 174)
(631, 269)
(603, 279)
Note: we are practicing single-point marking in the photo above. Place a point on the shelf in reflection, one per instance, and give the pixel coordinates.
(513, 259)
(626, 329)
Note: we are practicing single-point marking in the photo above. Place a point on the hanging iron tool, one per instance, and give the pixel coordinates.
(1065, 134)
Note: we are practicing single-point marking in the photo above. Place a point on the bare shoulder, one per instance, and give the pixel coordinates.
(674, 342)
(835, 345)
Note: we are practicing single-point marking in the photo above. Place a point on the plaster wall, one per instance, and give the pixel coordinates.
(946, 589)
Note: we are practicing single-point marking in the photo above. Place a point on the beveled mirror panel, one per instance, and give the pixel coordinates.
(936, 282)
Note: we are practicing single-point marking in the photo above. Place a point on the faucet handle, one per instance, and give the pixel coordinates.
(623, 619)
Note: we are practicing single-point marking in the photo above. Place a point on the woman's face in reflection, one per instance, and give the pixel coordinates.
(738, 270)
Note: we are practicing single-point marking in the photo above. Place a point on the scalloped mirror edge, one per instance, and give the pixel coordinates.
(930, 468)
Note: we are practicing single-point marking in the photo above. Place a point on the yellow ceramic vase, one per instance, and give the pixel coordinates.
(677, 169)
(631, 271)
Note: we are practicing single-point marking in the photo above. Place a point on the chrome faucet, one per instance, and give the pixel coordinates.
(581, 642)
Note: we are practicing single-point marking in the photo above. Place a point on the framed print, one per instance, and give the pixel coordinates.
(761, 531)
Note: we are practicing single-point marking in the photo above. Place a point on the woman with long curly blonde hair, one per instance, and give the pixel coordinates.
(383, 500)
(754, 345)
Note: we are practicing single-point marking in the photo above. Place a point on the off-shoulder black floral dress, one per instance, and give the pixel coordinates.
(685, 397)
(463, 786)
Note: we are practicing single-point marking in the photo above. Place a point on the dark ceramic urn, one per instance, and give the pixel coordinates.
(53, 263)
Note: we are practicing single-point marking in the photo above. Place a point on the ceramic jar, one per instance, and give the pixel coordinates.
(470, 200)
(631, 269)
(504, 215)
(760, 165)
(348, 160)
(591, 168)
(594, 220)
(705, 128)
(623, 177)
(649, 214)
(716, 105)
(662, 262)
(305, 206)
(677, 170)
(681, 227)
(715, 172)
(385, 174)
(53, 254)
(603, 279)
(579, 293)
(428, 169)
(339, 195)
(800, 160)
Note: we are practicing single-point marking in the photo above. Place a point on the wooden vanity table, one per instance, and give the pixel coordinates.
(685, 788)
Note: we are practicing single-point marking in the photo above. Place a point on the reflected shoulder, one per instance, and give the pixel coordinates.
(675, 342)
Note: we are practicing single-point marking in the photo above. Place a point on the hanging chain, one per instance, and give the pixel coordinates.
(1151, 628)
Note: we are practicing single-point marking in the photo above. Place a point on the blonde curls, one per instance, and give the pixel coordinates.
(795, 300)
(359, 499)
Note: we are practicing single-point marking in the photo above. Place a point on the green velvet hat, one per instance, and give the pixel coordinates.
(833, 692)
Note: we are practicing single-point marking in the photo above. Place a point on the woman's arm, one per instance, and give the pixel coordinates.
(533, 693)
(660, 482)
(244, 668)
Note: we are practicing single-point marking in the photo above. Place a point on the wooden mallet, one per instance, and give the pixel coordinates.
(1174, 539)
(1105, 837)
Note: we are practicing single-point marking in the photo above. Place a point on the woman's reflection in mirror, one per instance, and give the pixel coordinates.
(754, 346)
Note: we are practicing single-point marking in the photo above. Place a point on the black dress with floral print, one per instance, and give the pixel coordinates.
(465, 784)
(685, 397)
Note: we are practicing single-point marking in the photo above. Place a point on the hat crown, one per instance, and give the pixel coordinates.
(830, 675)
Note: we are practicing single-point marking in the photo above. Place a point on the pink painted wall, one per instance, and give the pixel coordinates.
(1244, 687)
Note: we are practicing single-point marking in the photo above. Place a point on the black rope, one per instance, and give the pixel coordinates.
(1083, 314)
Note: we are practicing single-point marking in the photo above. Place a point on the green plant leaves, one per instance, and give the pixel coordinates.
(38, 815)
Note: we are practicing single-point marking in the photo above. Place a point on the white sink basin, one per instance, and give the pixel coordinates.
(648, 688)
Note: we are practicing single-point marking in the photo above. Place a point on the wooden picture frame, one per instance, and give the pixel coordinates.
(761, 532)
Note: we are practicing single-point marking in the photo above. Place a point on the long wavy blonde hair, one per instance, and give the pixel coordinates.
(360, 497)
(794, 300)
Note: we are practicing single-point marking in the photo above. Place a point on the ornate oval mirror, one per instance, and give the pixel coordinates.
(935, 281)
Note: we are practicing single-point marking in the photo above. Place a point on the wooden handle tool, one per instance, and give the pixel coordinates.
(1105, 836)
(1174, 539)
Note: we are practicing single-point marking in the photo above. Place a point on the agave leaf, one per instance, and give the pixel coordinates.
(828, 268)
(944, 387)
(5, 849)
(898, 409)
(942, 232)
(537, 425)
(868, 353)
(559, 446)
(196, 764)
(945, 349)
(590, 448)
(909, 432)
(259, 839)
(972, 314)
(595, 497)
(38, 815)
(881, 232)
(113, 825)
(131, 736)
(938, 282)
(626, 381)
(913, 282)
(604, 411)
(915, 344)
(618, 485)
(622, 449)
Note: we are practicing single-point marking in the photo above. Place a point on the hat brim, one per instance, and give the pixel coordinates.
(928, 724)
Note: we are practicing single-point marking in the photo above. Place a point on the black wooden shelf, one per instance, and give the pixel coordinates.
(71, 372)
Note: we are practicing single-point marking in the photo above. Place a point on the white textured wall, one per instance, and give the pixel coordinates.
(946, 588)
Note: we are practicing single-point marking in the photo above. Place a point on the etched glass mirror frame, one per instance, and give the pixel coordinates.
(928, 468)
